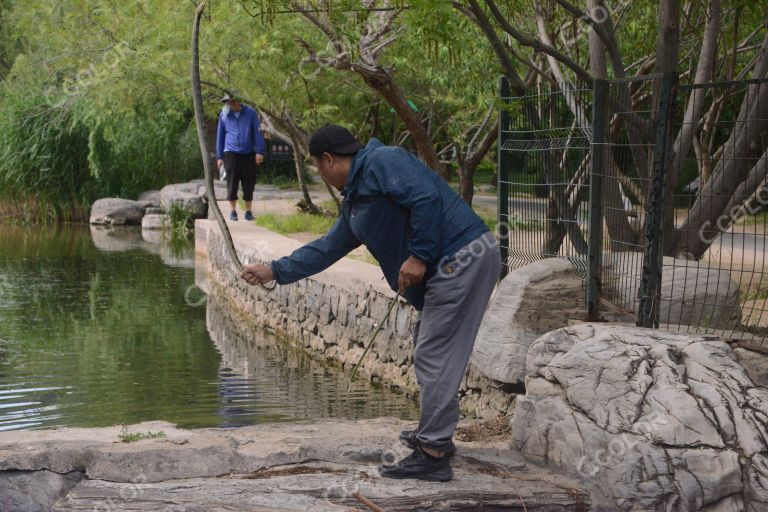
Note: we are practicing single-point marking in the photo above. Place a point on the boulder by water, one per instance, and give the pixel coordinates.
(219, 190)
(116, 211)
(186, 195)
(150, 197)
(155, 221)
(649, 419)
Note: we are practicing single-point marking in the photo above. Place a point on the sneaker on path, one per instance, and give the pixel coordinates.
(421, 466)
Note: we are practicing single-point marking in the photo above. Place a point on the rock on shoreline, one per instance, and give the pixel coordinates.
(286, 466)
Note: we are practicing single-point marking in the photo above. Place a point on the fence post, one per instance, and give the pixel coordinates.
(596, 173)
(650, 281)
(502, 188)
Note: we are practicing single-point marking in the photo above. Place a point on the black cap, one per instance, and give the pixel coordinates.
(333, 139)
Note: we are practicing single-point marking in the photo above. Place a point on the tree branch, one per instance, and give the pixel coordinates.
(538, 45)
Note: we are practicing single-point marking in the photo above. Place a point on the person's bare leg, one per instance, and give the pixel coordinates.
(248, 206)
(233, 205)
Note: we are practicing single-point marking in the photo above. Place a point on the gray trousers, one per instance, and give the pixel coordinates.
(445, 332)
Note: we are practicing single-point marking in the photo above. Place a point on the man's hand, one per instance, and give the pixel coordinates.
(256, 273)
(219, 163)
(259, 159)
(411, 273)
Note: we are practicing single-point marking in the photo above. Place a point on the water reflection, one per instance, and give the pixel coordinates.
(265, 379)
(95, 329)
(173, 252)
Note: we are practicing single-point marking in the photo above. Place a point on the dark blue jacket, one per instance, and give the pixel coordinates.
(396, 206)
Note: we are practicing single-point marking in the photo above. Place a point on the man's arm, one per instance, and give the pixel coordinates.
(220, 134)
(409, 183)
(316, 256)
(258, 138)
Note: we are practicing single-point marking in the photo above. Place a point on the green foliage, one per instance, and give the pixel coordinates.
(95, 93)
(295, 223)
(181, 221)
(131, 437)
(83, 116)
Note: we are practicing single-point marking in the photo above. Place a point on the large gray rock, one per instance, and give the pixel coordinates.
(34, 491)
(649, 419)
(116, 211)
(186, 195)
(693, 293)
(528, 302)
(270, 467)
(219, 190)
(150, 197)
(756, 364)
(155, 221)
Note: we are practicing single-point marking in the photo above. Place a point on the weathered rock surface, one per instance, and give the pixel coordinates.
(155, 221)
(219, 190)
(292, 467)
(116, 211)
(528, 302)
(151, 197)
(32, 491)
(186, 195)
(692, 292)
(755, 363)
(650, 419)
(153, 210)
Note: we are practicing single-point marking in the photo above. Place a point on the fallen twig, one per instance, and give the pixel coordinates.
(368, 503)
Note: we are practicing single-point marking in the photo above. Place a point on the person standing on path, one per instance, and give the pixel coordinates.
(239, 148)
(432, 247)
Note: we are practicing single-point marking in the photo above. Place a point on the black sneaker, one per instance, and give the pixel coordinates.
(408, 438)
(420, 466)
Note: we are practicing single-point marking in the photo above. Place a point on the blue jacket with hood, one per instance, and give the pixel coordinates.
(397, 207)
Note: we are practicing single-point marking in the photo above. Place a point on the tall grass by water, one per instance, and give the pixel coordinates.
(57, 155)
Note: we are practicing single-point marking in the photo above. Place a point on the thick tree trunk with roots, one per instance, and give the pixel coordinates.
(710, 214)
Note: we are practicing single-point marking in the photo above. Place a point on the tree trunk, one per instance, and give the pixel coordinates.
(668, 52)
(475, 155)
(709, 212)
(619, 228)
(308, 206)
(693, 114)
(383, 83)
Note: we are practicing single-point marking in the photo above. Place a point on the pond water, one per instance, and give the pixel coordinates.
(102, 327)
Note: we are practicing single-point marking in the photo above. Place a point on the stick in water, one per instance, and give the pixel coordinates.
(373, 338)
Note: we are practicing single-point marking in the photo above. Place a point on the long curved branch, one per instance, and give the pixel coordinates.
(197, 99)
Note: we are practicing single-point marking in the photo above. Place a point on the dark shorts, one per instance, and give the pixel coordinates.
(240, 169)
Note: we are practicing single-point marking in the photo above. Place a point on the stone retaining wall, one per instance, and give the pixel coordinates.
(333, 314)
